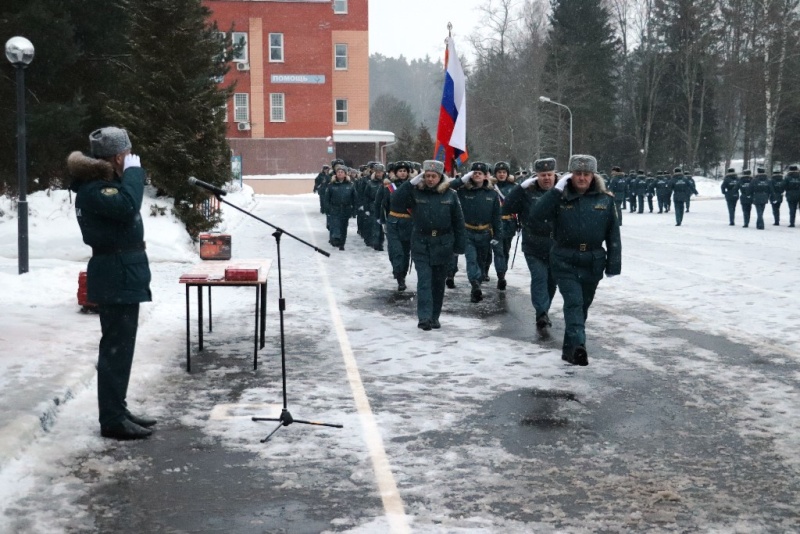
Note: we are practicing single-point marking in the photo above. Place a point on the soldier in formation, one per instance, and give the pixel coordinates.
(730, 188)
(791, 186)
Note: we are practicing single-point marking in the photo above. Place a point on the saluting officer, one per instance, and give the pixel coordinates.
(791, 184)
(776, 196)
(481, 207)
(504, 185)
(396, 218)
(438, 234)
(584, 216)
(537, 238)
(730, 188)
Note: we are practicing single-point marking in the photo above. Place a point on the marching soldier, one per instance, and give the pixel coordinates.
(663, 191)
(631, 181)
(395, 217)
(481, 207)
(438, 234)
(746, 196)
(619, 187)
(761, 190)
(322, 178)
(776, 196)
(730, 188)
(340, 199)
(640, 186)
(537, 238)
(692, 188)
(584, 216)
(791, 184)
(373, 231)
(505, 184)
(651, 190)
(681, 191)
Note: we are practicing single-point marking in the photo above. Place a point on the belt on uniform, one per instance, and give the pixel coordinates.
(434, 233)
(478, 227)
(97, 251)
(400, 215)
(507, 217)
(581, 247)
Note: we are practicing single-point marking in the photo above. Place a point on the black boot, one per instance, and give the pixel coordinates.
(124, 430)
(476, 295)
(435, 324)
(542, 326)
(450, 282)
(425, 325)
(141, 420)
(580, 356)
(401, 283)
(501, 281)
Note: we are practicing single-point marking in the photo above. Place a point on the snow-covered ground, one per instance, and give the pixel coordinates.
(704, 277)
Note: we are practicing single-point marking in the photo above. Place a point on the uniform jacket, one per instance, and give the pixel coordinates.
(340, 197)
(744, 189)
(108, 209)
(481, 205)
(791, 184)
(581, 224)
(370, 192)
(618, 186)
(776, 195)
(681, 188)
(760, 188)
(640, 185)
(730, 186)
(663, 187)
(385, 200)
(509, 221)
(434, 211)
(321, 178)
(537, 235)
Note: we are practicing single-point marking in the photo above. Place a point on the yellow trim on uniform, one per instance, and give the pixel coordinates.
(400, 215)
(479, 227)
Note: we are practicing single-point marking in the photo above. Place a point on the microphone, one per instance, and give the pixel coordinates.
(208, 187)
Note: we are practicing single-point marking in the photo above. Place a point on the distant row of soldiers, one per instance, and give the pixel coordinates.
(760, 190)
(632, 188)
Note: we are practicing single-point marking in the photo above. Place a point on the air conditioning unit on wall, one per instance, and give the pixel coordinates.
(243, 66)
(243, 126)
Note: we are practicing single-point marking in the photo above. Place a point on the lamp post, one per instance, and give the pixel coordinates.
(545, 99)
(19, 52)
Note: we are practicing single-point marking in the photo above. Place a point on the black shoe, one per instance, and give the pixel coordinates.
(141, 420)
(677, 224)
(435, 324)
(485, 278)
(731, 224)
(378, 248)
(476, 295)
(425, 325)
(580, 356)
(744, 226)
(341, 247)
(124, 430)
(791, 226)
(401, 284)
(450, 283)
(776, 224)
(501, 282)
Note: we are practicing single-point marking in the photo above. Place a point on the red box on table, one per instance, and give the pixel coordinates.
(242, 273)
(215, 246)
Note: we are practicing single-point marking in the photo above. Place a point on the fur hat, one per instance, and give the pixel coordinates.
(616, 169)
(402, 165)
(760, 170)
(731, 171)
(793, 168)
(108, 141)
(582, 162)
(677, 170)
(544, 165)
(502, 166)
(747, 172)
(480, 166)
(378, 167)
(433, 165)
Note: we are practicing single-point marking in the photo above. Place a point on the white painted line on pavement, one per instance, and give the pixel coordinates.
(390, 495)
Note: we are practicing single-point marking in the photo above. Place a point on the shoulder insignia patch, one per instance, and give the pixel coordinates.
(599, 206)
(109, 191)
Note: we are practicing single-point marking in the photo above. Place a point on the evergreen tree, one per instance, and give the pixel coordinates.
(173, 104)
(580, 73)
(403, 147)
(391, 114)
(423, 144)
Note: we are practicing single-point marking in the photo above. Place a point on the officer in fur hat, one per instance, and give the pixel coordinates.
(584, 217)
(730, 188)
(323, 177)
(481, 207)
(438, 234)
(109, 187)
(746, 195)
(340, 199)
(504, 185)
(537, 238)
(791, 185)
(393, 215)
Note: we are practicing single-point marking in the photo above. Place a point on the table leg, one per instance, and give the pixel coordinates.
(263, 314)
(200, 315)
(188, 335)
(210, 329)
(256, 314)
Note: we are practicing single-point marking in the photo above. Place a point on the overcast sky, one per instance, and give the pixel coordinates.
(416, 28)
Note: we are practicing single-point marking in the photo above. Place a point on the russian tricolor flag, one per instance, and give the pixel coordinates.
(451, 135)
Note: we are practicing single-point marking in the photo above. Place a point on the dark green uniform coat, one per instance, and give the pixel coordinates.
(791, 185)
(481, 207)
(730, 188)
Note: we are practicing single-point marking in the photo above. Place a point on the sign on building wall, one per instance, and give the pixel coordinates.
(298, 78)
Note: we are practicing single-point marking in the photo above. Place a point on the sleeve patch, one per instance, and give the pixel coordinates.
(109, 191)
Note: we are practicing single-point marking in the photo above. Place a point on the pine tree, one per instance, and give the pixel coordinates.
(173, 104)
(423, 144)
(580, 73)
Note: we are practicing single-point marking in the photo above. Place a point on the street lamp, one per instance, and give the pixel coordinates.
(19, 52)
(545, 99)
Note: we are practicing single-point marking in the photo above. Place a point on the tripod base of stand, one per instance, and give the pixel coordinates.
(286, 419)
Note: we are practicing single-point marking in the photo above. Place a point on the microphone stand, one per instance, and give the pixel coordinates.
(285, 418)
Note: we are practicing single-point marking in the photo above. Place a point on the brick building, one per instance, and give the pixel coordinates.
(302, 84)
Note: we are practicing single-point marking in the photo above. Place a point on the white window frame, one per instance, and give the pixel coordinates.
(277, 107)
(340, 7)
(344, 111)
(280, 48)
(241, 107)
(235, 38)
(337, 56)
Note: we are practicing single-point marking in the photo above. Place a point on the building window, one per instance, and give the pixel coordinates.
(341, 56)
(277, 108)
(241, 107)
(341, 111)
(276, 47)
(340, 7)
(239, 42)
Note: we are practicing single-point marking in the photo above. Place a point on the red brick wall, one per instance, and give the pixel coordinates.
(275, 156)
